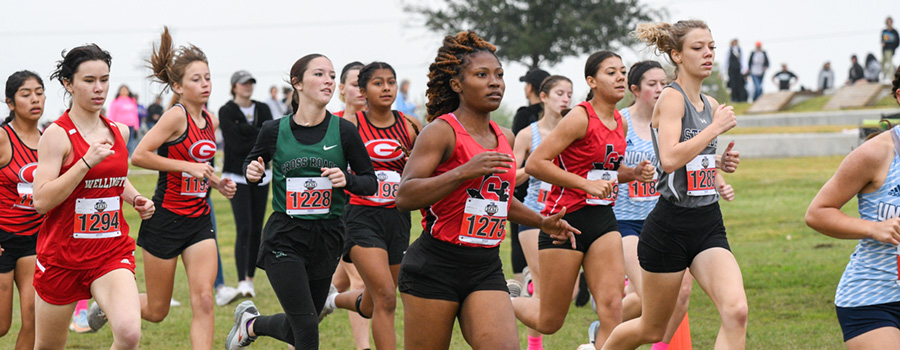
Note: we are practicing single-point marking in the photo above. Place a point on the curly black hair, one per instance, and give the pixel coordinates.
(450, 58)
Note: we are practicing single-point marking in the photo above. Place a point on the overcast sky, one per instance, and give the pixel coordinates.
(266, 37)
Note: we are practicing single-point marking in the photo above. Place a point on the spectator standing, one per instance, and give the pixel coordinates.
(759, 63)
(241, 120)
(856, 71)
(784, 78)
(154, 112)
(288, 93)
(889, 42)
(737, 82)
(277, 107)
(403, 103)
(826, 77)
(124, 109)
(873, 69)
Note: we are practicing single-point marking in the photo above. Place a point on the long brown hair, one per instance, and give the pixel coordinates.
(168, 63)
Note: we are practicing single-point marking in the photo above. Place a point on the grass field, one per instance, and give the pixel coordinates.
(790, 273)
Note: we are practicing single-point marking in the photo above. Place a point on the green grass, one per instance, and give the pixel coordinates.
(790, 273)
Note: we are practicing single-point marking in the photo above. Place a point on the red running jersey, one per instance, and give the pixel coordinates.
(339, 113)
(178, 191)
(595, 156)
(385, 147)
(86, 228)
(17, 214)
(474, 214)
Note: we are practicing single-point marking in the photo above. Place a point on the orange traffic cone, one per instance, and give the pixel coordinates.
(682, 338)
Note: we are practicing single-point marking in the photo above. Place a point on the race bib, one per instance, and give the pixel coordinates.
(484, 222)
(308, 195)
(26, 196)
(193, 186)
(544, 191)
(607, 175)
(97, 217)
(388, 183)
(701, 175)
(643, 191)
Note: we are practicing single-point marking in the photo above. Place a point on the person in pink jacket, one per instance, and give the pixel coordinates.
(124, 110)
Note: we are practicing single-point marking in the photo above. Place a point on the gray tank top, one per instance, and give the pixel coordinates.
(693, 185)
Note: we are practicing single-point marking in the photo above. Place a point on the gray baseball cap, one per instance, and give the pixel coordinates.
(241, 77)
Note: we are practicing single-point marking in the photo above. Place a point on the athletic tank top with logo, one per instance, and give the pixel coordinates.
(537, 190)
(693, 185)
(872, 276)
(298, 188)
(88, 227)
(596, 156)
(636, 199)
(474, 214)
(178, 191)
(17, 214)
(385, 147)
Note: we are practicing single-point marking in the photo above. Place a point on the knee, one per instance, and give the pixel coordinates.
(386, 301)
(610, 306)
(736, 314)
(156, 315)
(128, 337)
(203, 302)
(552, 324)
(4, 328)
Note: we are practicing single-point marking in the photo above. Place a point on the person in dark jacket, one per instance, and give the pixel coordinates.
(856, 71)
(240, 121)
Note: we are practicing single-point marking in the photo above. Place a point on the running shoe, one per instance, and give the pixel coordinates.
(225, 295)
(592, 331)
(79, 322)
(586, 347)
(173, 302)
(329, 303)
(95, 317)
(581, 299)
(246, 289)
(515, 288)
(526, 278)
(239, 336)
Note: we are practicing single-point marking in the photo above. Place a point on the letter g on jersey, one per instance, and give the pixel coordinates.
(203, 150)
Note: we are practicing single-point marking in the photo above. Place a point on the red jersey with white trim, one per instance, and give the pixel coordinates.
(385, 147)
(474, 214)
(17, 214)
(88, 227)
(178, 191)
(601, 150)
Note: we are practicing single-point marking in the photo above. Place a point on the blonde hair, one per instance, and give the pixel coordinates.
(667, 37)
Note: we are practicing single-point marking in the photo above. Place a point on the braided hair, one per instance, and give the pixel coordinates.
(450, 58)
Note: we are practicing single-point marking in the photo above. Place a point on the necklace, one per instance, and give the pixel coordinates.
(81, 129)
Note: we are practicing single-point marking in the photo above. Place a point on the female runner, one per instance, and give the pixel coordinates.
(83, 248)
(311, 152)
(19, 222)
(685, 229)
(378, 233)
(459, 174)
(582, 159)
(555, 93)
(180, 147)
(867, 298)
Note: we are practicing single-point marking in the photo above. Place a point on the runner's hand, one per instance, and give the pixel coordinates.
(336, 175)
(887, 231)
(726, 192)
(255, 170)
(98, 151)
(599, 188)
(730, 159)
(559, 229)
(227, 188)
(644, 171)
(486, 163)
(724, 119)
(144, 207)
(200, 170)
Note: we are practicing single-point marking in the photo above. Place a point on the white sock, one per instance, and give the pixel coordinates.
(329, 301)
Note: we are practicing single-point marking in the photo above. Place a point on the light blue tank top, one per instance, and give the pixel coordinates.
(871, 275)
(636, 151)
(534, 185)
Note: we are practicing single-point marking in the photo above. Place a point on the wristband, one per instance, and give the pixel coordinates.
(135, 198)
(86, 163)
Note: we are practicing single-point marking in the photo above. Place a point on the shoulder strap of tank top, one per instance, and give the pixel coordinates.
(895, 134)
(361, 121)
(678, 88)
(535, 135)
